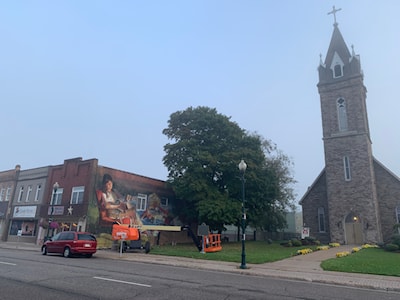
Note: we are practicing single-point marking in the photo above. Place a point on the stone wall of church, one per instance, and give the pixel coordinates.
(316, 198)
(356, 196)
(388, 189)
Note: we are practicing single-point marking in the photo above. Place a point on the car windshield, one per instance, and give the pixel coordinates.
(86, 237)
(56, 237)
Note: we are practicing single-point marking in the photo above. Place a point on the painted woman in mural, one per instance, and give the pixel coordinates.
(111, 206)
(115, 207)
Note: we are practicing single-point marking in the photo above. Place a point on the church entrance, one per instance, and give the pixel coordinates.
(354, 235)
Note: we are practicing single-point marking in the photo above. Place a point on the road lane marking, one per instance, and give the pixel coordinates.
(120, 281)
(6, 263)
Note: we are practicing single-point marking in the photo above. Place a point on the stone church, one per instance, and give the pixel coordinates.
(355, 199)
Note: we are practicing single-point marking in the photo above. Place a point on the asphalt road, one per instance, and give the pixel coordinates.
(30, 275)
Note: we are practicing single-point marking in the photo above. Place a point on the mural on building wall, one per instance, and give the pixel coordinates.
(118, 201)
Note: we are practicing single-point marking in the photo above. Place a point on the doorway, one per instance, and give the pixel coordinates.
(353, 227)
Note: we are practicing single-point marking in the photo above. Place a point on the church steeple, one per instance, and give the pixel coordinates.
(341, 75)
(339, 62)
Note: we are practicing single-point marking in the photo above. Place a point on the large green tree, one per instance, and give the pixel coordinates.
(202, 167)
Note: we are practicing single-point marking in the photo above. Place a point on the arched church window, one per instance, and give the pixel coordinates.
(347, 171)
(321, 219)
(338, 71)
(342, 114)
(398, 214)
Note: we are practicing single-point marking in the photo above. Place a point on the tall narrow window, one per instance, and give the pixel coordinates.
(142, 202)
(342, 114)
(21, 193)
(77, 194)
(28, 193)
(398, 214)
(37, 194)
(398, 217)
(2, 194)
(57, 198)
(8, 193)
(347, 171)
(321, 219)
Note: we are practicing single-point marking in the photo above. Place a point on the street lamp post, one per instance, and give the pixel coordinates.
(242, 169)
(55, 188)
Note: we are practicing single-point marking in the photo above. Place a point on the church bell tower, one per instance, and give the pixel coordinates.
(350, 181)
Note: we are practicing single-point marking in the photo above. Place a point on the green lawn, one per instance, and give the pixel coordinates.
(256, 252)
(368, 261)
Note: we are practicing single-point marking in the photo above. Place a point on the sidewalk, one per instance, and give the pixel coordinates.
(301, 267)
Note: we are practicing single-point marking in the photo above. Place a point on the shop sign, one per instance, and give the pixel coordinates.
(25, 211)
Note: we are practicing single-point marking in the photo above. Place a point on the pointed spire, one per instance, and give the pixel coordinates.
(338, 46)
(321, 63)
(352, 51)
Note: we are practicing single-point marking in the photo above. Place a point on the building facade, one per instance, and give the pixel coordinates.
(8, 181)
(355, 199)
(26, 205)
(78, 195)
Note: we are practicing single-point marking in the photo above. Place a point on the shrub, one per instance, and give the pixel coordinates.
(296, 243)
(391, 247)
(395, 239)
(305, 242)
(286, 244)
(381, 245)
(310, 241)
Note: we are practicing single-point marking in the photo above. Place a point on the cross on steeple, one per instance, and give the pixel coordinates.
(333, 12)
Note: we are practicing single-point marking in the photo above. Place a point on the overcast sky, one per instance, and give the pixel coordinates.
(99, 79)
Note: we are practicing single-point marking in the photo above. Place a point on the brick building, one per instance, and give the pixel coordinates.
(37, 203)
(26, 204)
(355, 199)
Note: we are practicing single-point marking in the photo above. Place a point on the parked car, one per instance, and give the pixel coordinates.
(69, 243)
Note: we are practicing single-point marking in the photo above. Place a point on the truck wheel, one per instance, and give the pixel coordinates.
(124, 246)
(147, 247)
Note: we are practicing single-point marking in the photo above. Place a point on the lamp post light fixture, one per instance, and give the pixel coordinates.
(242, 169)
(55, 188)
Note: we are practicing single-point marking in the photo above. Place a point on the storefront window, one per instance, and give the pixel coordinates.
(28, 228)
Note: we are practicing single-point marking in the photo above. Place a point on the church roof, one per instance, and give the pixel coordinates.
(310, 188)
(337, 45)
(338, 55)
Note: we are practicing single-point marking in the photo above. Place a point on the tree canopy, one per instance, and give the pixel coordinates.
(202, 165)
